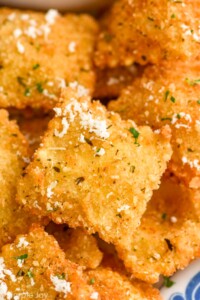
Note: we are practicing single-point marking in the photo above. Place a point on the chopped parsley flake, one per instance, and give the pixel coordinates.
(164, 216)
(173, 16)
(92, 281)
(61, 276)
(168, 282)
(172, 99)
(21, 81)
(135, 133)
(21, 257)
(27, 92)
(39, 87)
(29, 274)
(166, 95)
(166, 119)
(36, 66)
(198, 101)
(192, 82)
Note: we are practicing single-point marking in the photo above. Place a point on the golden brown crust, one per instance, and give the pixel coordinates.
(169, 94)
(78, 246)
(40, 53)
(168, 237)
(35, 267)
(14, 156)
(148, 31)
(112, 285)
(94, 170)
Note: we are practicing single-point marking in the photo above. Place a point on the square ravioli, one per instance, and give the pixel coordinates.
(169, 94)
(14, 156)
(94, 170)
(168, 238)
(35, 267)
(145, 31)
(41, 53)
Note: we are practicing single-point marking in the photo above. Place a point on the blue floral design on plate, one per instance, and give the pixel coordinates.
(192, 291)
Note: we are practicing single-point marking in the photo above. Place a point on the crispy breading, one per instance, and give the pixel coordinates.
(35, 267)
(94, 170)
(146, 31)
(13, 159)
(41, 53)
(169, 95)
(112, 285)
(110, 82)
(78, 246)
(169, 235)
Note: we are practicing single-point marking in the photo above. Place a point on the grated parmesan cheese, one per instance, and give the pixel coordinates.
(72, 47)
(61, 285)
(20, 47)
(94, 296)
(50, 193)
(64, 130)
(22, 243)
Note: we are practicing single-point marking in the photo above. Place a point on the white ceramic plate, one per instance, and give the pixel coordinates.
(70, 5)
(186, 284)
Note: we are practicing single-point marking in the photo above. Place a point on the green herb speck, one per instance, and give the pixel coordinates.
(39, 87)
(135, 133)
(21, 257)
(166, 119)
(36, 66)
(61, 276)
(29, 274)
(92, 281)
(172, 99)
(166, 95)
(192, 82)
(27, 92)
(168, 282)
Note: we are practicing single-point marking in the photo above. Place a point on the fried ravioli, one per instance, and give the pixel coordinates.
(146, 31)
(13, 159)
(42, 53)
(35, 267)
(168, 237)
(78, 246)
(112, 285)
(94, 170)
(168, 95)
